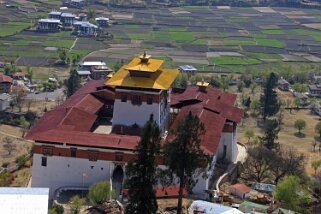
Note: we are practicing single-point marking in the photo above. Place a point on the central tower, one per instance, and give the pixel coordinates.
(142, 89)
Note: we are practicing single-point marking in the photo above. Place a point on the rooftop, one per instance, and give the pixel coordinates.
(144, 72)
(5, 78)
(55, 13)
(92, 63)
(187, 68)
(49, 20)
(242, 188)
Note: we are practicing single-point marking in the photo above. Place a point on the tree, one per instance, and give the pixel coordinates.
(240, 86)
(73, 82)
(249, 134)
(269, 99)
(256, 167)
(291, 194)
(9, 145)
(63, 55)
(100, 192)
(24, 124)
(318, 129)
(300, 87)
(141, 171)
(316, 165)
(253, 87)
(255, 106)
(286, 162)
(184, 156)
(300, 124)
(76, 204)
(18, 96)
(271, 131)
(181, 81)
(30, 74)
(91, 14)
(56, 209)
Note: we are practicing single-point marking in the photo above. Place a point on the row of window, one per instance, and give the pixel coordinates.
(137, 99)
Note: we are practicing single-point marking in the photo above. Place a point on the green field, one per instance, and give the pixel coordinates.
(231, 60)
(11, 28)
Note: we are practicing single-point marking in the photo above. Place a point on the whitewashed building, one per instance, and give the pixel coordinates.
(95, 132)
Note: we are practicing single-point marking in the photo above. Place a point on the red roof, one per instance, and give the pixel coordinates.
(213, 107)
(5, 78)
(72, 121)
(241, 188)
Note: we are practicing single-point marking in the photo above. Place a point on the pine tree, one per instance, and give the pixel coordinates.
(141, 171)
(269, 99)
(184, 156)
(271, 131)
(73, 82)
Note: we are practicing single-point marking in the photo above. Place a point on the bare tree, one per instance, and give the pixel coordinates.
(256, 167)
(9, 145)
(19, 93)
(286, 162)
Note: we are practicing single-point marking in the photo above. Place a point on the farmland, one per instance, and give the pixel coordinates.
(256, 37)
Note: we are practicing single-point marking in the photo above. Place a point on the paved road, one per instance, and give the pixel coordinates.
(49, 95)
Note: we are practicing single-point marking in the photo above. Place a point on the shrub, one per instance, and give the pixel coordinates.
(21, 160)
(5, 164)
(28, 163)
(99, 192)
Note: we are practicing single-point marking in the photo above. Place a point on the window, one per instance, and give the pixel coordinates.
(47, 150)
(73, 152)
(44, 161)
(136, 100)
(92, 155)
(123, 98)
(149, 99)
(119, 156)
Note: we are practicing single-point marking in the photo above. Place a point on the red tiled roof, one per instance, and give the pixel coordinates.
(193, 93)
(241, 188)
(71, 122)
(5, 78)
(213, 108)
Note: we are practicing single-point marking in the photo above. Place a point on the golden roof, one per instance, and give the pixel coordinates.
(156, 79)
(202, 83)
(152, 65)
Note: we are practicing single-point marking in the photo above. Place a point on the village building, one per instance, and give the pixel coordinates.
(67, 19)
(100, 72)
(81, 17)
(54, 15)
(188, 69)
(88, 65)
(77, 3)
(5, 100)
(85, 29)
(315, 90)
(102, 21)
(240, 190)
(95, 131)
(5, 83)
(49, 25)
(283, 84)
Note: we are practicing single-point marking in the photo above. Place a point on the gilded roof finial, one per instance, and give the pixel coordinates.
(144, 54)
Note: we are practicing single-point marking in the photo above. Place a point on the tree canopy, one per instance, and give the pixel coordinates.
(269, 99)
(141, 171)
(184, 156)
(300, 124)
(291, 194)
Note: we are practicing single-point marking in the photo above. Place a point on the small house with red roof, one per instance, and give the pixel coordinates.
(5, 83)
(95, 131)
(240, 190)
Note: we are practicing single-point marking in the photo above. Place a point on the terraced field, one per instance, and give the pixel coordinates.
(231, 38)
